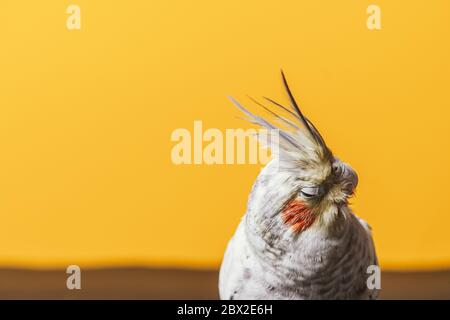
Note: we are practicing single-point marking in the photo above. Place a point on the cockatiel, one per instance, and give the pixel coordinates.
(299, 239)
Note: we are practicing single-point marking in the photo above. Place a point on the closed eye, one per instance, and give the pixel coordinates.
(309, 192)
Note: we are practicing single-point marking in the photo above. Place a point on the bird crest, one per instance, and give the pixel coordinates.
(300, 146)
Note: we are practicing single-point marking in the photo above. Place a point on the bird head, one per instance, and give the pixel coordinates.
(304, 182)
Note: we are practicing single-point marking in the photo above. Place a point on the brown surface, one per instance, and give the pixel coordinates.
(140, 283)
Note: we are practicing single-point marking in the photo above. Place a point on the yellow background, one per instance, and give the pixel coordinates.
(86, 118)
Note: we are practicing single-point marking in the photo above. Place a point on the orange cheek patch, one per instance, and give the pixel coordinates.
(297, 215)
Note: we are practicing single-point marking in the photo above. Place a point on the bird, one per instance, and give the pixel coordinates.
(298, 239)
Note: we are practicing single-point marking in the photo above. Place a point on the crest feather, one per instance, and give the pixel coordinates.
(301, 144)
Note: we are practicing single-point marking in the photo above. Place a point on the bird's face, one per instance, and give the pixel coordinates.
(311, 183)
(334, 188)
(319, 193)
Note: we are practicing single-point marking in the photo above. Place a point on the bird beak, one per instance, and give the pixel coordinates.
(350, 181)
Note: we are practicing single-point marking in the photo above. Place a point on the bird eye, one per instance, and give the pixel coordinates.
(309, 192)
